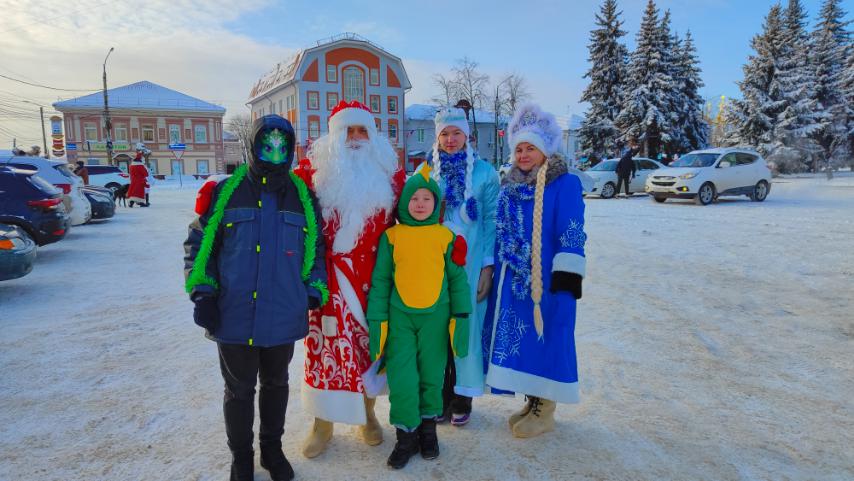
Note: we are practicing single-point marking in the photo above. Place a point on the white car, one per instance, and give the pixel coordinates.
(56, 173)
(108, 176)
(704, 175)
(604, 175)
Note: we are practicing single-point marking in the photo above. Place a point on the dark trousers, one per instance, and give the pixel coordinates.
(453, 403)
(242, 366)
(620, 180)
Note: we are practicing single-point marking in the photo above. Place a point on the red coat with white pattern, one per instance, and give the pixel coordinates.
(336, 348)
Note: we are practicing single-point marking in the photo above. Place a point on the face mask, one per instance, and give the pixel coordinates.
(273, 147)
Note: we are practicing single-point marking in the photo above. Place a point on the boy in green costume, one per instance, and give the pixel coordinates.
(417, 284)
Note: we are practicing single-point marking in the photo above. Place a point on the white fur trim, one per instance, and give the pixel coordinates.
(350, 297)
(353, 116)
(335, 406)
(531, 385)
(532, 139)
(569, 262)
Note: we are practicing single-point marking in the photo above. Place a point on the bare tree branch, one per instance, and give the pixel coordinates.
(447, 90)
(241, 126)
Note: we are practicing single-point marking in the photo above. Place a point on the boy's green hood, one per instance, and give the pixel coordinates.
(420, 180)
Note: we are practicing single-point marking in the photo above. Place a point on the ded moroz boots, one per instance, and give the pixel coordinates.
(372, 432)
(538, 421)
(405, 448)
(318, 438)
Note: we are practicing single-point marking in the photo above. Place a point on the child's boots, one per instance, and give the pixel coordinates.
(427, 439)
(405, 448)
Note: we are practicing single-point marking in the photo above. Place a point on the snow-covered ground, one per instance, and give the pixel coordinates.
(715, 343)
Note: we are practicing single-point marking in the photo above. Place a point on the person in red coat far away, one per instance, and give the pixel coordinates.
(138, 181)
(357, 177)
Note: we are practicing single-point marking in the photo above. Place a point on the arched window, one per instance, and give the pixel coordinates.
(354, 84)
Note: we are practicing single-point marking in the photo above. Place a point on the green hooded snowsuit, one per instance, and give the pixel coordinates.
(417, 284)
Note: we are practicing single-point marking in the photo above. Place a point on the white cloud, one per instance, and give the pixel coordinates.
(180, 44)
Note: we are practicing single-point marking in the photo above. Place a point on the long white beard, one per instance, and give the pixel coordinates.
(352, 183)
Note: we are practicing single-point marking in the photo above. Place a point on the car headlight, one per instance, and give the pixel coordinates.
(689, 175)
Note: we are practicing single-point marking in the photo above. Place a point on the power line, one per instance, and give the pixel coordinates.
(48, 87)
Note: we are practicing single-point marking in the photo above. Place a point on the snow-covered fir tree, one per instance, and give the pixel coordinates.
(756, 113)
(608, 68)
(848, 93)
(645, 113)
(829, 51)
(692, 128)
(792, 148)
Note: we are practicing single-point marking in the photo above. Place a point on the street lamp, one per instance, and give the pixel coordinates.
(107, 124)
(44, 134)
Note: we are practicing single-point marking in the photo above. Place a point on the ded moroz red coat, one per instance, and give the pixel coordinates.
(337, 346)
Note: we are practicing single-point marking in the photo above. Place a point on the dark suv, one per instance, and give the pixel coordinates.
(28, 201)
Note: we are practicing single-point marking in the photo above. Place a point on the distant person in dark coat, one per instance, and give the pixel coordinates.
(626, 168)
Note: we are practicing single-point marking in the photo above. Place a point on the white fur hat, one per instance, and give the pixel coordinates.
(451, 116)
(354, 113)
(540, 129)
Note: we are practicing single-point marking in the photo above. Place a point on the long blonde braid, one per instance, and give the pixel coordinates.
(537, 249)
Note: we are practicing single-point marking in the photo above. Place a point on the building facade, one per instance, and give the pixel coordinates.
(153, 115)
(233, 150)
(348, 67)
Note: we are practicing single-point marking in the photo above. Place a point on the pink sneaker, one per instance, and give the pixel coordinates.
(460, 419)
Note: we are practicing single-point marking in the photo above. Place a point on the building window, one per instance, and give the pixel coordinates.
(379, 124)
(313, 128)
(392, 130)
(121, 133)
(202, 167)
(152, 167)
(392, 105)
(262, 112)
(147, 133)
(421, 135)
(331, 100)
(174, 134)
(201, 134)
(280, 107)
(375, 76)
(313, 101)
(375, 104)
(331, 73)
(91, 131)
(354, 84)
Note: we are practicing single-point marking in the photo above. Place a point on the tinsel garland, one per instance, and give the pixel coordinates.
(513, 246)
(454, 175)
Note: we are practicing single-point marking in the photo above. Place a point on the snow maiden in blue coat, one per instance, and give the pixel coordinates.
(529, 334)
(254, 265)
(470, 191)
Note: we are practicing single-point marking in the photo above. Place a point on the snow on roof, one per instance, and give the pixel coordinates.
(141, 95)
(228, 136)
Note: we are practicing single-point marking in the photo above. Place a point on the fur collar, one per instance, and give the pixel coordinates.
(555, 164)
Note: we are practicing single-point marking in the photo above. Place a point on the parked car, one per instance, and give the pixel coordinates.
(17, 252)
(605, 176)
(76, 205)
(108, 176)
(81, 211)
(30, 202)
(704, 175)
(100, 190)
(103, 206)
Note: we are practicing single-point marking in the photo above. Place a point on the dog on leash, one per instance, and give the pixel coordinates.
(121, 195)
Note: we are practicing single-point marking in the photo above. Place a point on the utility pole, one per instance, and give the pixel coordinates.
(108, 126)
(44, 135)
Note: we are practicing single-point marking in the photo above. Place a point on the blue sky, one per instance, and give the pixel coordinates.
(216, 49)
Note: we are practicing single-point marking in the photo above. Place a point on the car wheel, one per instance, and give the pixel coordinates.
(608, 190)
(706, 194)
(660, 198)
(760, 191)
(113, 186)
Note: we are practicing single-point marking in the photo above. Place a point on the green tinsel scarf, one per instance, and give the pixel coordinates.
(198, 276)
